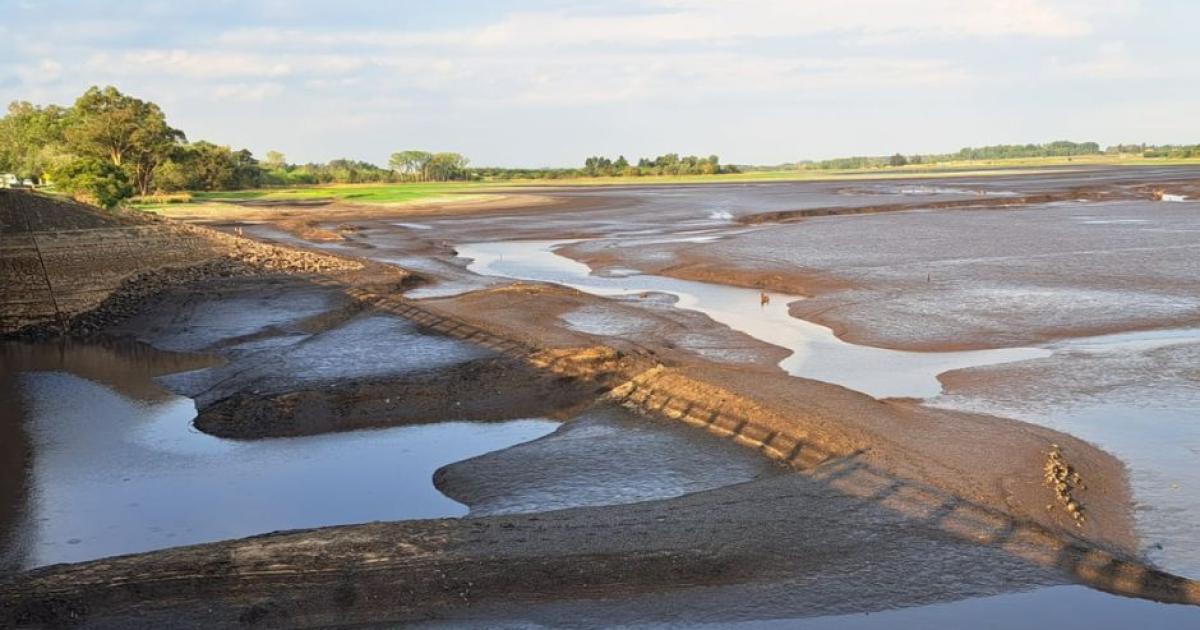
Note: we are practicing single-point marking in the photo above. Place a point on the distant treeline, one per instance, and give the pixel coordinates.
(600, 166)
(1059, 148)
(108, 146)
(1176, 151)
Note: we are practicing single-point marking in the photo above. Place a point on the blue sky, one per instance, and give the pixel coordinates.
(549, 82)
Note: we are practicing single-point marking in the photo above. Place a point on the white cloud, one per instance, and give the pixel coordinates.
(652, 23)
(644, 68)
(43, 72)
(1110, 61)
(251, 92)
(187, 64)
(721, 20)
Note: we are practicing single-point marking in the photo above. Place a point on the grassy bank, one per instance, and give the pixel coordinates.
(435, 192)
(354, 193)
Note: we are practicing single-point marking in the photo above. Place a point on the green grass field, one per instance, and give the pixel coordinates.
(408, 193)
(357, 193)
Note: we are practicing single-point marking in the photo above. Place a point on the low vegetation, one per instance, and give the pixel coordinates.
(666, 165)
(109, 146)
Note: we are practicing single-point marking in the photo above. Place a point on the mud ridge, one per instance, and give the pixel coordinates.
(784, 216)
(415, 570)
(640, 383)
(484, 390)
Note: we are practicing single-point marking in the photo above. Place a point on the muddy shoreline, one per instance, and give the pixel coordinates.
(962, 493)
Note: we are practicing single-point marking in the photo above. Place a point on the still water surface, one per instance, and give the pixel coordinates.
(116, 470)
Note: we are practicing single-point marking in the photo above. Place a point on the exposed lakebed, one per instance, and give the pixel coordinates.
(112, 463)
(1154, 427)
(116, 471)
(816, 352)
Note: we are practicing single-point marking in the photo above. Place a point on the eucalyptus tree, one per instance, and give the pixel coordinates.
(31, 139)
(412, 163)
(127, 131)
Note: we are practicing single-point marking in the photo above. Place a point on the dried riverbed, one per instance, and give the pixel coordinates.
(555, 419)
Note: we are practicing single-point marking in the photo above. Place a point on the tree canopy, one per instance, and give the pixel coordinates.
(31, 139)
(130, 132)
(104, 126)
(94, 180)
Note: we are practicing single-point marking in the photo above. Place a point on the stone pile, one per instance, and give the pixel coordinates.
(1060, 476)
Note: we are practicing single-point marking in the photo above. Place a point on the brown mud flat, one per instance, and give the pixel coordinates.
(888, 494)
(1131, 260)
(784, 216)
(479, 391)
(686, 264)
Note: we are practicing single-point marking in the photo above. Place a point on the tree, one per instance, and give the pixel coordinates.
(897, 160)
(213, 167)
(411, 163)
(94, 180)
(275, 161)
(31, 139)
(171, 176)
(129, 132)
(446, 166)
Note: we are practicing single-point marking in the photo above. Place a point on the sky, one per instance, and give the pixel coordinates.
(550, 82)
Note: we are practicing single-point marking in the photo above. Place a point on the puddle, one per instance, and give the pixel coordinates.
(368, 346)
(816, 352)
(114, 471)
(601, 321)
(374, 345)
(605, 457)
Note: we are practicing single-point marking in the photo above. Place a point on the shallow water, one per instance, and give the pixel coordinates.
(816, 352)
(1000, 276)
(116, 471)
(607, 456)
(1058, 607)
(366, 346)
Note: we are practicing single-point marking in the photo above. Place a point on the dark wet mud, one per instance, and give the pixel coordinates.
(606, 456)
(326, 403)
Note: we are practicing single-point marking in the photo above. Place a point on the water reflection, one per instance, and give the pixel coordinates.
(116, 466)
(1059, 607)
(816, 352)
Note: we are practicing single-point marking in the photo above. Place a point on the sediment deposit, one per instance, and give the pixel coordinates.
(882, 503)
